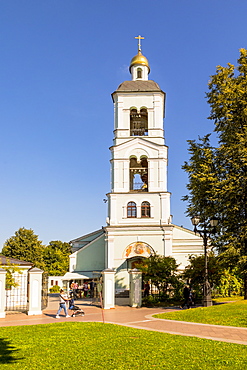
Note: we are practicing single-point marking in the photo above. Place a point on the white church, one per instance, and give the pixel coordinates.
(139, 223)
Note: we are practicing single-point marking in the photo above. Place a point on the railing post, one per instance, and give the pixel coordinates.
(2, 292)
(135, 288)
(35, 289)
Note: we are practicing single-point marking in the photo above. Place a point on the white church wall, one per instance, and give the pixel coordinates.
(151, 101)
(154, 238)
(185, 243)
(157, 166)
(154, 104)
(160, 208)
(123, 238)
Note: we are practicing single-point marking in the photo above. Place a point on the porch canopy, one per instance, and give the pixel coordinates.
(74, 276)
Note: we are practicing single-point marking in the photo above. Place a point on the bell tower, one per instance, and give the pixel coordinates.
(139, 202)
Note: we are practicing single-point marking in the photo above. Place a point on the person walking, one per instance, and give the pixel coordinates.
(146, 289)
(186, 294)
(62, 305)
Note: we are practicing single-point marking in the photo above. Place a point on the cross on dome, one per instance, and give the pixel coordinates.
(139, 60)
(139, 38)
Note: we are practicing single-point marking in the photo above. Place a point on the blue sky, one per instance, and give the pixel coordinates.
(60, 61)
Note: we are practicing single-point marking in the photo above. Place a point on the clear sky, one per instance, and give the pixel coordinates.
(60, 61)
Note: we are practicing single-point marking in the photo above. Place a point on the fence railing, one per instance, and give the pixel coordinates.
(17, 297)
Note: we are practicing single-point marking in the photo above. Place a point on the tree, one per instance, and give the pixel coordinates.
(194, 272)
(227, 97)
(162, 271)
(11, 268)
(56, 257)
(25, 246)
(223, 280)
(225, 193)
(202, 179)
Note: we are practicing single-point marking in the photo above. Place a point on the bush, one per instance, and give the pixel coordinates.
(55, 289)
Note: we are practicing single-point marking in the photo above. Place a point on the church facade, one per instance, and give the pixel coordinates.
(139, 222)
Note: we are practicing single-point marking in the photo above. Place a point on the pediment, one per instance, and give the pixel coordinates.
(137, 146)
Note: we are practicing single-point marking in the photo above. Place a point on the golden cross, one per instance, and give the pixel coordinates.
(139, 42)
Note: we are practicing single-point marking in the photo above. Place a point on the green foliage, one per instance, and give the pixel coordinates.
(32, 347)
(227, 97)
(56, 257)
(229, 284)
(202, 178)
(11, 268)
(162, 272)
(55, 289)
(223, 280)
(25, 246)
(218, 176)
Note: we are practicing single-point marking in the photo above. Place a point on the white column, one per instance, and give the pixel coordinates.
(2, 292)
(108, 289)
(135, 288)
(35, 289)
(109, 248)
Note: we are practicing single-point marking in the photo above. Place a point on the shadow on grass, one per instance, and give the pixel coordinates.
(6, 352)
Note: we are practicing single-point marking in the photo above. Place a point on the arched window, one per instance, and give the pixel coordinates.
(144, 121)
(131, 209)
(139, 73)
(145, 209)
(139, 122)
(138, 174)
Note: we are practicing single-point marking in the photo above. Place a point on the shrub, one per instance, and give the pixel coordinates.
(55, 289)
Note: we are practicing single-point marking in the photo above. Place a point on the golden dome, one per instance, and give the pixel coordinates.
(139, 59)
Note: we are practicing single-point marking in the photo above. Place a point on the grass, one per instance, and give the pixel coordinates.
(228, 299)
(230, 314)
(95, 346)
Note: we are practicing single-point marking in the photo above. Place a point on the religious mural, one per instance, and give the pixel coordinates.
(138, 249)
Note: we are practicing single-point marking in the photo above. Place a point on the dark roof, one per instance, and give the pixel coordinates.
(88, 237)
(131, 86)
(4, 260)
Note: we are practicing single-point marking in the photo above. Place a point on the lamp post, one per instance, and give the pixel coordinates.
(204, 233)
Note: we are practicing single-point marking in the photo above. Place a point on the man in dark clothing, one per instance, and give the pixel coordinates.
(92, 286)
(186, 294)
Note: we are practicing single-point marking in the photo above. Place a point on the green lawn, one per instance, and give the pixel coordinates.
(230, 314)
(76, 346)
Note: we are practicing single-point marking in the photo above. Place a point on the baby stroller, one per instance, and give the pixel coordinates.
(77, 311)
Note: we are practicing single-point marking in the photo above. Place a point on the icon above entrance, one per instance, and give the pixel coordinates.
(138, 249)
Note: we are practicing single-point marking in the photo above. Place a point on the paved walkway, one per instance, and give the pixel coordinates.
(140, 318)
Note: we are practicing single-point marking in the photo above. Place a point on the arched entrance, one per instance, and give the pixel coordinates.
(136, 253)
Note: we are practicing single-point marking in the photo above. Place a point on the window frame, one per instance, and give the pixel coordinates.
(131, 210)
(145, 209)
